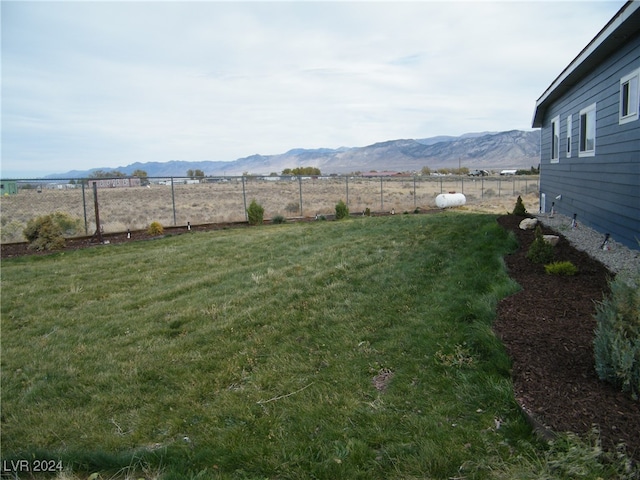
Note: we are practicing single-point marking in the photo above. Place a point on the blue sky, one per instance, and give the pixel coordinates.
(90, 84)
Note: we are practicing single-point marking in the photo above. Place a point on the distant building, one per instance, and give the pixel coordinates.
(384, 174)
(590, 138)
(118, 182)
(8, 187)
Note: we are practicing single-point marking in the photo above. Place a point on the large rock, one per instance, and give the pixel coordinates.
(528, 223)
(551, 239)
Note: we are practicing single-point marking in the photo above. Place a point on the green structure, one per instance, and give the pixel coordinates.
(8, 187)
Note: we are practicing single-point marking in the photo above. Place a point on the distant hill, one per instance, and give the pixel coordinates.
(514, 149)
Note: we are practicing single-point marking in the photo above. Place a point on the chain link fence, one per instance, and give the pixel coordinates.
(177, 201)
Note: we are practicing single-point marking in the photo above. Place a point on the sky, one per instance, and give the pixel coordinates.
(88, 84)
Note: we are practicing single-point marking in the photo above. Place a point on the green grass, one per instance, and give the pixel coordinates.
(250, 353)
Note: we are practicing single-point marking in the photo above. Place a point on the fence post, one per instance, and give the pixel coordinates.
(482, 187)
(347, 184)
(381, 196)
(98, 233)
(415, 200)
(300, 187)
(173, 202)
(462, 185)
(84, 209)
(244, 199)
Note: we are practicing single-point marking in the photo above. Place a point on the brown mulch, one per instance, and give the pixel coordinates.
(548, 330)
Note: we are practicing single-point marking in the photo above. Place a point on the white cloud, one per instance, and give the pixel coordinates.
(103, 84)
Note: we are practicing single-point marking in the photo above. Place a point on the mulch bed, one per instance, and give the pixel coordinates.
(548, 330)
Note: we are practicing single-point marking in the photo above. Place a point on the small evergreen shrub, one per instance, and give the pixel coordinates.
(278, 219)
(44, 233)
(367, 212)
(561, 268)
(540, 251)
(342, 211)
(255, 212)
(155, 228)
(617, 337)
(519, 209)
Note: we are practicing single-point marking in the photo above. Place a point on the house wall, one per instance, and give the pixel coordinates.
(603, 190)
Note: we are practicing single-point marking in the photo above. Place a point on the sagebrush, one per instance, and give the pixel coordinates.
(43, 234)
(155, 228)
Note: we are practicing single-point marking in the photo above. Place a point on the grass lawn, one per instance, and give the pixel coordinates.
(353, 349)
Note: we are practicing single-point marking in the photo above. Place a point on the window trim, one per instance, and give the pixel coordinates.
(569, 148)
(555, 140)
(633, 91)
(583, 130)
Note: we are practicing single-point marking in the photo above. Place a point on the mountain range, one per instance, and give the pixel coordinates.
(513, 149)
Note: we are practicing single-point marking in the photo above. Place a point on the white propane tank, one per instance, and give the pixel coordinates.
(445, 200)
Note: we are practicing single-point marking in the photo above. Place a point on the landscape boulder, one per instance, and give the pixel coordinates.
(528, 224)
(551, 239)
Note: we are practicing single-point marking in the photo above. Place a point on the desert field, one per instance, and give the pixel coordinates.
(134, 208)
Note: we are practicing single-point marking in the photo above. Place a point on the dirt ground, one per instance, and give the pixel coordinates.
(548, 330)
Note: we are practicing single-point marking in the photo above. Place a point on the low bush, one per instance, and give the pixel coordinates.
(519, 209)
(44, 233)
(367, 212)
(155, 228)
(278, 219)
(255, 213)
(561, 268)
(342, 211)
(617, 337)
(540, 251)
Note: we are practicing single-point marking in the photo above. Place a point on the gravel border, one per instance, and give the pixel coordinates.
(618, 258)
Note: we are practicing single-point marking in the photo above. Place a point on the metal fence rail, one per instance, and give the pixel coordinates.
(179, 200)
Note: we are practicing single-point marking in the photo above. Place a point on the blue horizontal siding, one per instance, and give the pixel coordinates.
(603, 190)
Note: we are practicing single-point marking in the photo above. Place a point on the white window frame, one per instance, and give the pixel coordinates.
(569, 131)
(555, 140)
(632, 83)
(587, 127)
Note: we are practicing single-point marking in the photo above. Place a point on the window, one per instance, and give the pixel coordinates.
(629, 97)
(555, 140)
(569, 126)
(587, 142)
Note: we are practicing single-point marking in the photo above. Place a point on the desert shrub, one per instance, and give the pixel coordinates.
(155, 228)
(43, 233)
(292, 207)
(69, 225)
(278, 219)
(561, 268)
(255, 212)
(342, 211)
(540, 251)
(617, 337)
(519, 209)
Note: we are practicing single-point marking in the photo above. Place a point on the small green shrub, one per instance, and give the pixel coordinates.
(561, 268)
(278, 219)
(367, 212)
(519, 209)
(155, 228)
(617, 337)
(540, 251)
(44, 233)
(255, 213)
(342, 211)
